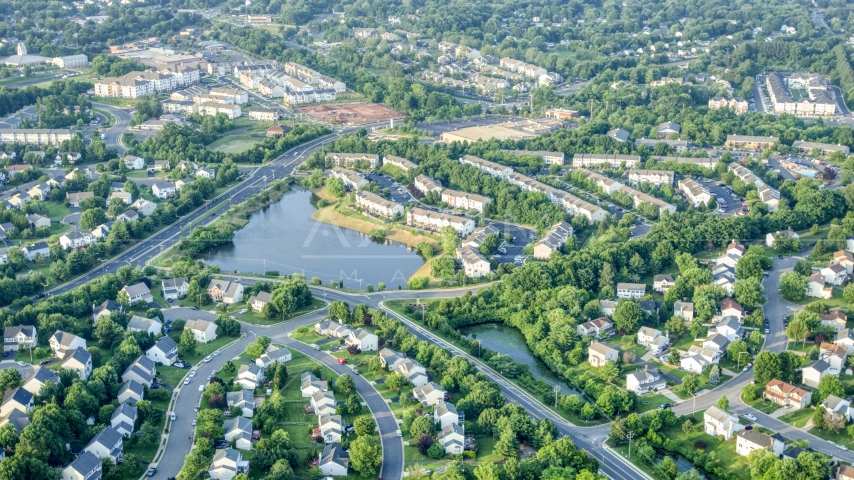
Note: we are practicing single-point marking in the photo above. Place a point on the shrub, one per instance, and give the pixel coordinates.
(700, 445)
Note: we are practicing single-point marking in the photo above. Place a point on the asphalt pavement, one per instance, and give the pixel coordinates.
(113, 135)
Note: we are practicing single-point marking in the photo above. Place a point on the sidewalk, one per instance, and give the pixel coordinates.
(672, 396)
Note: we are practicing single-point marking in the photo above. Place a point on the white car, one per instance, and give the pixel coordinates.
(750, 417)
(218, 352)
(207, 359)
(842, 447)
(23, 364)
(201, 388)
(399, 433)
(186, 381)
(194, 423)
(192, 374)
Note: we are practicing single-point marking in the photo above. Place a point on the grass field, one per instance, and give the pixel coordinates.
(171, 375)
(798, 418)
(235, 143)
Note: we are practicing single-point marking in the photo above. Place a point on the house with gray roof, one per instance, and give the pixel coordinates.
(131, 392)
(41, 376)
(310, 384)
(16, 399)
(78, 360)
(124, 418)
(239, 431)
(274, 355)
(147, 325)
(334, 461)
(751, 440)
(429, 393)
(63, 342)
(87, 466)
(164, 352)
(242, 399)
(107, 444)
(142, 370)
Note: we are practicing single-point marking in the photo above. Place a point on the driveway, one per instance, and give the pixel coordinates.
(186, 313)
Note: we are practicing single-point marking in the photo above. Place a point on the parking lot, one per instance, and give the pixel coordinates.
(722, 192)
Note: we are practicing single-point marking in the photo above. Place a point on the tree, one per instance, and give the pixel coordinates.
(422, 425)
(487, 471)
(188, 344)
(610, 371)
(766, 367)
(395, 380)
(714, 375)
(666, 468)
(364, 425)
(830, 385)
(335, 187)
(736, 349)
(627, 315)
(490, 244)
(365, 455)
(9, 379)
(818, 416)
(723, 403)
(617, 430)
(675, 326)
(340, 311)
(793, 286)
(749, 292)
(450, 239)
(690, 383)
(92, 218)
(436, 451)
(345, 385)
(507, 445)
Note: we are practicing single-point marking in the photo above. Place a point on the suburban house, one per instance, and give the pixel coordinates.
(787, 395)
(227, 463)
(205, 172)
(259, 301)
(239, 431)
(17, 419)
(225, 291)
(203, 330)
(413, 371)
(242, 399)
(473, 263)
(333, 461)
(770, 237)
(75, 198)
(363, 339)
(323, 403)
(142, 371)
(751, 440)
(174, 288)
(816, 288)
(124, 418)
(250, 376)
(730, 327)
(845, 259)
(429, 393)
(273, 355)
(389, 359)
(684, 310)
(41, 376)
(835, 320)
(698, 359)
(630, 290)
(835, 356)
(164, 189)
(131, 392)
(332, 329)
(600, 328)
(146, 325)
(644, 382)
(378, 205)
(464, 200)
(837, 406)
(599, 354)
(134, 163)
(144, 207)
(834, 274)
(715, 342)
(425, 184)
(552, 241)
(310, 384)
(452, 437)
(16, 399)
(137, 292)
(107, 444)
(63, 342)
(331, 428)
(718, 422)
(86, 466)
(32, 252)
(845, 337)
(164, 352)
(445, 414)
(813, 372)
(662, 283)
(78, 360)
(653, 339)
(844, 472)
(19, 336)
(730, 307)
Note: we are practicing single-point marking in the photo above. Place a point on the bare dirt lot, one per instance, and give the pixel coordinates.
(351, 113)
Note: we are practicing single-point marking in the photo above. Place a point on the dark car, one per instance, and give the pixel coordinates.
(663, 406)
(195, 308)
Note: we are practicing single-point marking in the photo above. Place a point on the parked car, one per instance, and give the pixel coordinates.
(750, 417)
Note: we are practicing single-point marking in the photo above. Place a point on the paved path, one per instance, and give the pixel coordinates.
(113, 135)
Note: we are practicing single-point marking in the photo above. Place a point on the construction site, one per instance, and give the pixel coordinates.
(351, 113)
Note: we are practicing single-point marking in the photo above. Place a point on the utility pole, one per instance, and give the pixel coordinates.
(630, 436)
(557, 392)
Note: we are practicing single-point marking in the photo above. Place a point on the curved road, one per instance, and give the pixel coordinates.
(113, 135)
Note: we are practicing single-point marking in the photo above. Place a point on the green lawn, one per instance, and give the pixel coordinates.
(235, 143)
(724, 451)
(56, 211)
(25, 355)
(254, 318)
(171, 376)
(799, 346)
(650, 402)
(764, 406)
(840, 438)
(204, 349)
(798, 418)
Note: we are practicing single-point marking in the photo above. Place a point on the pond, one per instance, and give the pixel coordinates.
(283, 237)
(509, 341)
